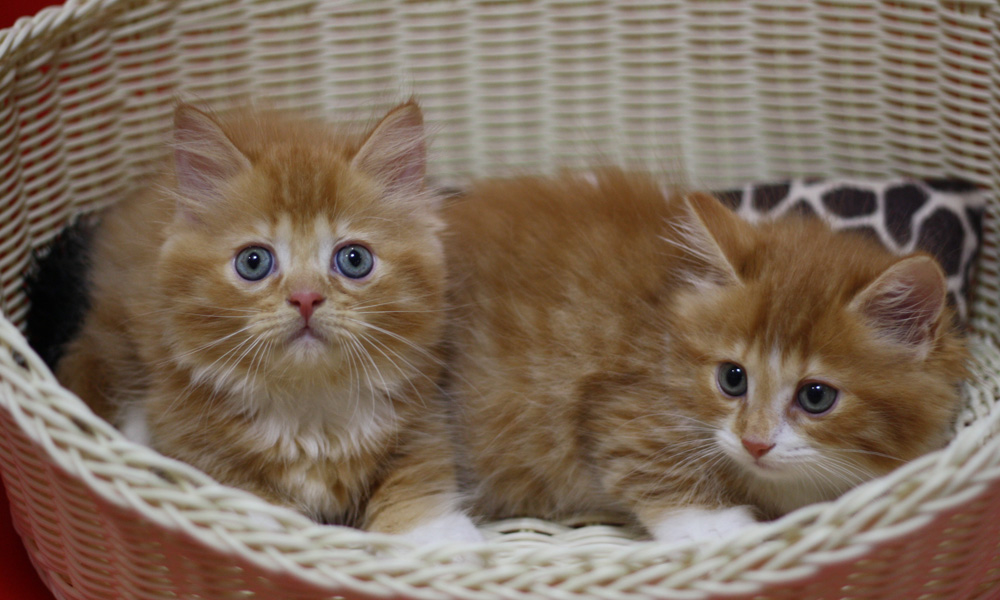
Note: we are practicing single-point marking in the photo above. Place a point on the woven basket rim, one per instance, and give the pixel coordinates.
(20, 39)
(177, 497)
(828, 532)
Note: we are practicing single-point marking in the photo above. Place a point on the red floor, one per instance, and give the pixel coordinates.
(18, 580)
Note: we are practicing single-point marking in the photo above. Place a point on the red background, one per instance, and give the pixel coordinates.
(18, 580)
(12, 10)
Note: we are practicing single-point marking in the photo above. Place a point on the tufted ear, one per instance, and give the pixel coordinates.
(715, 237)
(204, 158)
(905, 302)
(395, 152)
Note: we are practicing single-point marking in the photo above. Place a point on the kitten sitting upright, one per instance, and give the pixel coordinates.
(270, 311)
(616, 350)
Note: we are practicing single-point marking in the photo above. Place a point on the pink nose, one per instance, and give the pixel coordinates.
(755, 448)
(306, 303)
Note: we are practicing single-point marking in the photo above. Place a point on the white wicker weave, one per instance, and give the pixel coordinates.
(737, 89)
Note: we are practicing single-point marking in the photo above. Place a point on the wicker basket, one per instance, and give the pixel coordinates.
(735, 90)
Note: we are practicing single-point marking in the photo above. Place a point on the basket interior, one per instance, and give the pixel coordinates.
(724, 92)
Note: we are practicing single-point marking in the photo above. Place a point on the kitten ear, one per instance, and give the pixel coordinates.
(204, 158)
(395, 153)
(715, 236)
(905, 302)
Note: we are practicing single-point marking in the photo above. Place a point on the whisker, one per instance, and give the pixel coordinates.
(388, 302)
(866, 452)
(398, 338)
(173, 357)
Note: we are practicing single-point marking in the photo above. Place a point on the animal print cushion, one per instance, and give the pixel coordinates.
(942, 217)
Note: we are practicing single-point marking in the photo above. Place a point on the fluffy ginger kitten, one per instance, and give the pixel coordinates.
(662, 359)
(270, 311)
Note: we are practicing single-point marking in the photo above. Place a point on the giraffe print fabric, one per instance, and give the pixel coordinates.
(941, 217)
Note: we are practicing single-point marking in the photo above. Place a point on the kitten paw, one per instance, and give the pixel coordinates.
(451, 527)
(701, 524)
(265, 522)
(133, 424)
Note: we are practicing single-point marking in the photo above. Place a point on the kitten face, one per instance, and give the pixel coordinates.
(806, 394)
(305, 313)
(781, 422)
(305, 268)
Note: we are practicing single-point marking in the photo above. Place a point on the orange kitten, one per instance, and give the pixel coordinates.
(663, 359)
(270, 311)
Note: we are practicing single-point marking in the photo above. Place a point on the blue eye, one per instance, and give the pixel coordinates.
(354, 261)
(254, 263)
(816, 398)
(732, 379)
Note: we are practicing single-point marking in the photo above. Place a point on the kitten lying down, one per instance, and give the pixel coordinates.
(662, 359)
(270, 310)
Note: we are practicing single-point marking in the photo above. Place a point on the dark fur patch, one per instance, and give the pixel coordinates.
(58, 289)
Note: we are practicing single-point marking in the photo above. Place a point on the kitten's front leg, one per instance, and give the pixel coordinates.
(429, 518)
(86, 369)
(133, 423)
(450, 526)
(697, 523)
(418, 499)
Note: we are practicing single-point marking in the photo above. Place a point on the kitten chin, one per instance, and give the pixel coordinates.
(617, 349)
(791, 476)
(270, 310)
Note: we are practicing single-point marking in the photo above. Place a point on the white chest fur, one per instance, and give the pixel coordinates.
(320, 423)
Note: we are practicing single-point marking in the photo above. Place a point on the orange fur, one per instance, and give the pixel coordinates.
(591, 321)
(341, 420)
